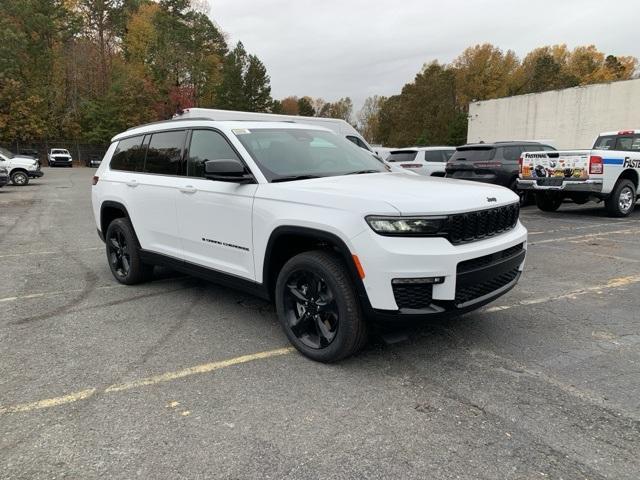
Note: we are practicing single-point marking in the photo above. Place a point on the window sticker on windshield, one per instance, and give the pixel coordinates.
(241, 131)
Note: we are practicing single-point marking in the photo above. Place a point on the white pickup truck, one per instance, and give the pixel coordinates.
(610, 172)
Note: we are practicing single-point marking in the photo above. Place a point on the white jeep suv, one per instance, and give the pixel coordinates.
(296, 214)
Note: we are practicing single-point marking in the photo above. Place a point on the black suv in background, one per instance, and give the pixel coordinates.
(495, 163)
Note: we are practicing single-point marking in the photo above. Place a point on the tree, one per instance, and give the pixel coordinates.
(369, 118)
(342, 108)
(231, 93)
(257, 86)
(290, 106)
(305, 107)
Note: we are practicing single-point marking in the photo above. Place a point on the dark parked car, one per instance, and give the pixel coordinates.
(93, 160)
(4, 176)
(495, 163)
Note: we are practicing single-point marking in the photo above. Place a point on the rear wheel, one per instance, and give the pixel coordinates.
(318, 307)
(622, 200)
(19, 178)
(523, 194)
(548, 202)
(123, 254)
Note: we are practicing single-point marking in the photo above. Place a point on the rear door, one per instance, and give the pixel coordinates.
(214, 217)
(154, 213)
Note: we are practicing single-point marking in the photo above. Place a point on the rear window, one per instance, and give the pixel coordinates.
(402, 156)
(605, 142)
(129, 155)
(474, 153)
(437, 155)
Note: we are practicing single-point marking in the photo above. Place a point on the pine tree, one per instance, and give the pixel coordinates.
(257, 86)
(231, 93)
(305, 108)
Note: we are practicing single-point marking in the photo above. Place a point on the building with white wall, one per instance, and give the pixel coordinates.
(569, 118)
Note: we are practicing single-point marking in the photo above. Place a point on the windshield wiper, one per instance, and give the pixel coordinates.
(361, 172)
(294, 177)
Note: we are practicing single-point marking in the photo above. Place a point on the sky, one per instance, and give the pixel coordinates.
(357, 48)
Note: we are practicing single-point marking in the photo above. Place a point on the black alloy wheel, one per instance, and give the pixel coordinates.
(311, 309)
(118, 253)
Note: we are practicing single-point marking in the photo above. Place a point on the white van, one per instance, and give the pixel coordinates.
(336, 125)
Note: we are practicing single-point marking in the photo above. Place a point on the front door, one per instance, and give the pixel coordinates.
(215, 218)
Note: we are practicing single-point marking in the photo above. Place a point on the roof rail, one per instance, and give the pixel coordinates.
(159, 122)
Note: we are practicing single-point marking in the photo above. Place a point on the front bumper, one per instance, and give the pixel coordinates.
(35, 173)
(588, 186)
(60, 161)
(387, 258)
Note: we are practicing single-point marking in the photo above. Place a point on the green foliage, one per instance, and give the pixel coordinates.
(305, 108)
(88, 69)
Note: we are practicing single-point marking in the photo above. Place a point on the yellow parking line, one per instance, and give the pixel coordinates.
(143, 382)
(612, 283)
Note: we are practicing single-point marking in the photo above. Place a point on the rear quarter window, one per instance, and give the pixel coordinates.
(437, 155)
(129, 155)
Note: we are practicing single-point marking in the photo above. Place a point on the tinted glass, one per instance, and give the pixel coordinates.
(437, 155)
(207, 145)
(474, 153)
(402, 156)
(284, 152)
(129, 155)
(624, 143)
(512, 153)
(606, 142)
(635, 145)
(164, 153)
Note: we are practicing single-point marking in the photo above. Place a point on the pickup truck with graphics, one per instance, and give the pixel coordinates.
(609, 172)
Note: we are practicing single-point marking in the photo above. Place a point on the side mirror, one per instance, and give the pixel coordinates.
(227, 170)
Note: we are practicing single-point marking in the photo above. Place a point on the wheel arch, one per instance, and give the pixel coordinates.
(109, 211)
(288, 241)
(630, 174)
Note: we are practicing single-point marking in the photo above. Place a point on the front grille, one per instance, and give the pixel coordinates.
(476, 263)
(468, 227)
(413, 295)
(471, 292)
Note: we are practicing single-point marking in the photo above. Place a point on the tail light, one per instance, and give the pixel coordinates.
(520, 165)
(95, 180)
(595, 165)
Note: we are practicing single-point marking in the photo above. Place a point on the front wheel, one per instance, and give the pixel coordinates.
(622, 200)
(123, 254)
(548, 202)
(318, 307)
(20, 179)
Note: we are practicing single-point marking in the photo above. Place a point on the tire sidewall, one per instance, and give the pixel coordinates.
(20, 174)
(124, 227)
(346, 311)
(614, 207)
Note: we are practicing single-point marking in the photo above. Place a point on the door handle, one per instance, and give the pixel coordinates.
(188, 189)
(132, 183)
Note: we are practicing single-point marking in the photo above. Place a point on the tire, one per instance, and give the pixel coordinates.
(523, 194)
(123, 254)
(318, 282)
(622, 200)
(548, 202)
(19, 178)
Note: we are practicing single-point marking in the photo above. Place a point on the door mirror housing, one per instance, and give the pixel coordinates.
(227, 170)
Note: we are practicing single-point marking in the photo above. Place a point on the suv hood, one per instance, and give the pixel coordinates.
(393, 193)
(23, 160)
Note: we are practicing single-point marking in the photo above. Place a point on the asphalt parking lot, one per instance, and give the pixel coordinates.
(180, 378)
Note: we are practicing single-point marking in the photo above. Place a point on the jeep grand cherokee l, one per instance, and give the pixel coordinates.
(296, 214)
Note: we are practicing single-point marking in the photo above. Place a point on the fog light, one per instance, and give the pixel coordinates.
(413, 281)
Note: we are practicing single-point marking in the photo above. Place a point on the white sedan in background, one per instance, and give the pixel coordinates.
(428, 161)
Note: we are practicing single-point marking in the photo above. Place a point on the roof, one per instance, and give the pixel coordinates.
(222, 124)
(502, 143)
(631, 131)
(421, 149)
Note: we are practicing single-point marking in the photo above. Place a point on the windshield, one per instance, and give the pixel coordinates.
(62, 152)
(283, 153)
(6, 153)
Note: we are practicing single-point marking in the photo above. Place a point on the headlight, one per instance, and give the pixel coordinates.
(406, 226)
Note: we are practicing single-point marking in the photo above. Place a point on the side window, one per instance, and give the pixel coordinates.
(207, 145)
(512, 153)
(635, 146)
(357, 141)
(164, 153)
(437, 155)
(129, 155)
